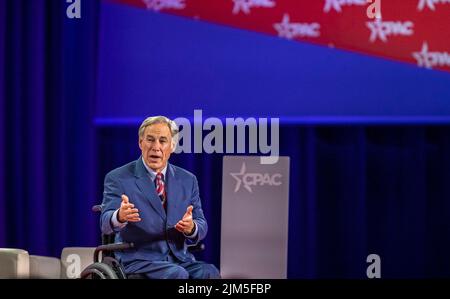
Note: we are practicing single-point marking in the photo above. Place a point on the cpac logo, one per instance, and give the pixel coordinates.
(164, 4)
(336, 4)
(290, 30)
(431, 59)
(382, 30)
(245, 5)
(254, 179)
(430, 4)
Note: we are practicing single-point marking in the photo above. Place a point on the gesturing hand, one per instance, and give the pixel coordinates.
(186, 224)
(127, 212)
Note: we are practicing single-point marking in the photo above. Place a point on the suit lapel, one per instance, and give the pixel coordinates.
(147, 187)
(174, 192)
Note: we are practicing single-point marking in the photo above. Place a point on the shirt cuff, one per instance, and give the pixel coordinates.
(194, 235)
(116, 224)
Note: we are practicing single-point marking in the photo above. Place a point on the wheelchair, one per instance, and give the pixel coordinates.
(106, 266)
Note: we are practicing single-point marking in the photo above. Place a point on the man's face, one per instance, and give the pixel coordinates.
(156, 146)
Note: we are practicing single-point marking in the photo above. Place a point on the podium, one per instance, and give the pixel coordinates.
(255, 210)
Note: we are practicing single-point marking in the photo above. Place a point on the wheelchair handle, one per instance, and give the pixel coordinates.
(111, 247)
(97, 208)
(193, 248)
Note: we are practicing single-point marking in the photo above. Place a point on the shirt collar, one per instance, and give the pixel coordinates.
(152, 172)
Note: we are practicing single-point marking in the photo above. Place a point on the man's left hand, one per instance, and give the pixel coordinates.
(186, 224)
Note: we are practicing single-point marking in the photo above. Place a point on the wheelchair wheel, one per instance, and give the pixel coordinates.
(115, 266)
(98, 271)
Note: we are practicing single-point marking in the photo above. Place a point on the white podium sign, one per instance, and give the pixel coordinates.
(255, 209)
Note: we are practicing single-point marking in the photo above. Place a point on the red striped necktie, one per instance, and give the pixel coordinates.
(160, 190)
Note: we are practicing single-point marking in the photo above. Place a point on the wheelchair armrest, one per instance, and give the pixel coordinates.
(111, 248)
(193, 248)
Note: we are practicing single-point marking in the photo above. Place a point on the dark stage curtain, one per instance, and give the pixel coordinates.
(47, 80)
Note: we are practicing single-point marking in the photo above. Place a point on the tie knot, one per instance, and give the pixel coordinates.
(160, 176)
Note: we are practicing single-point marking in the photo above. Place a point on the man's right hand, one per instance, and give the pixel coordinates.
(127, 212)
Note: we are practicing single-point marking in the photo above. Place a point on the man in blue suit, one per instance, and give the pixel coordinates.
(156, 206)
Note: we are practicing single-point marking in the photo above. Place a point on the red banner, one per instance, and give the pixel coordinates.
(413, 31)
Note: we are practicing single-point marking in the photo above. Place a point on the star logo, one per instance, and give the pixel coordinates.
(430, 59)
(337, 4)
(158, 5)
(430, 4)
(245, 5)
(422, 56)
(238, 176)
(382, 29)
(290, 30)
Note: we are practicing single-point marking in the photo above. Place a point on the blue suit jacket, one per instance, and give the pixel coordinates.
(154, 236)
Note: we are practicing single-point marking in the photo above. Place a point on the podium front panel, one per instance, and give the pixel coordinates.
(255, 209)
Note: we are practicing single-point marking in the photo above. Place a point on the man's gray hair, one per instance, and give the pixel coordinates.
(160, 120)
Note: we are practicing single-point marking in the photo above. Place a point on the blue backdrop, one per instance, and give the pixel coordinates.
(179, 65)
(355, 189)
